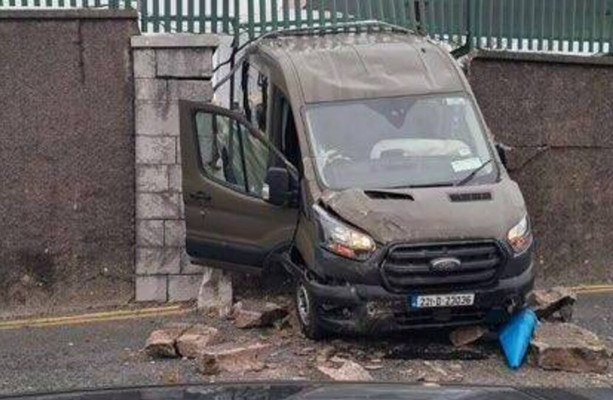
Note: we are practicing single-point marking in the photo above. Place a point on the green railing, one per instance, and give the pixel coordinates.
(54, 4)
(581, 26)
(546, 25)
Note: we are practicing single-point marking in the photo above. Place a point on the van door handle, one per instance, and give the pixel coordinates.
(200, 196)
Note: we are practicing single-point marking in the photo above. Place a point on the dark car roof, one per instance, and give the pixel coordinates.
(347, 66)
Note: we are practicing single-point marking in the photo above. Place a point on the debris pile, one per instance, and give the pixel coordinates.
(568, 347)
(555, 304)
(348, 371)
(229, 357)
(559, 345)
(335, 361)
(205, 344)
(256, 314)
(432, 372)
(195, 339)
(554, 344)
(162, 342)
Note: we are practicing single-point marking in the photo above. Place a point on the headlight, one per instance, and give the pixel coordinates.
(342, 239)
(520, 236)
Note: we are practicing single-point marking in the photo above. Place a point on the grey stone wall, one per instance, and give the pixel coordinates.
(166, 68)
(556, 112)
(66, 159)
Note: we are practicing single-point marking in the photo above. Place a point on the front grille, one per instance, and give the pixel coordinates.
(404, 316)
(408, 267)
(466, 197)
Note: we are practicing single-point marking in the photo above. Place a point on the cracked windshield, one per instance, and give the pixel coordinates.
(306, 199)
(404, 142)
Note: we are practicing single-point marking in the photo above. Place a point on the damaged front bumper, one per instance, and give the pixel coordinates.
(367, 307)
(363, 309)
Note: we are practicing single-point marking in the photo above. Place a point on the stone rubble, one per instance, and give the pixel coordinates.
(324, 354)
(349, 371)
(162, 342)
(232, 358)
(195, 340)
(568, 347)
(553, 304)
(256, 314)
(555, 346)
(434, 373)
(466, 335)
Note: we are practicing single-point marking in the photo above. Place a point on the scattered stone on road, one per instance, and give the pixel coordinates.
(254, 314)
(555, 303)
(161, 342)
(434, 373)
(305, 351)
(349, 371)
(568, 347)
(466, 335)
(232, 358)
(195, 339)
(324, 354)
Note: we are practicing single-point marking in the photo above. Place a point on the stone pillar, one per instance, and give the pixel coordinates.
(166, 68)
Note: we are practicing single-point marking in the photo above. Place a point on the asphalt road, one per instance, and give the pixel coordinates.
(106, 354)
(594, 311)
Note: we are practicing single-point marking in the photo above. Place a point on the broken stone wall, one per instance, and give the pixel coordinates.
(66, 159)
(557, 114)
(166, 68)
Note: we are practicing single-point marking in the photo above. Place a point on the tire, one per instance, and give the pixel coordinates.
(307, 309)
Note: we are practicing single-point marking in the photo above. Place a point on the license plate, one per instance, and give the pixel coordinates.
(443, 300)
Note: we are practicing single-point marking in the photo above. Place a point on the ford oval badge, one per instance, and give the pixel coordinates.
(445, 264)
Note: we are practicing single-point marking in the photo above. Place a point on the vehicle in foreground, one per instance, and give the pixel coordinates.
(361, 162)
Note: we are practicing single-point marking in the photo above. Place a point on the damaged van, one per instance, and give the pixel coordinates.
(362, 164)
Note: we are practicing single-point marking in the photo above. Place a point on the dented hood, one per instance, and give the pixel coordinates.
(427, 214)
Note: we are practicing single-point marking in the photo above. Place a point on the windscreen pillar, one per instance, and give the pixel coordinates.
(166, 68)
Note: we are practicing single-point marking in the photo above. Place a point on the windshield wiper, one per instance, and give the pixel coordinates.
(474, 173)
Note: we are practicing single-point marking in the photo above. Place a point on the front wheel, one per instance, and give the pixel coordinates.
(307, 308)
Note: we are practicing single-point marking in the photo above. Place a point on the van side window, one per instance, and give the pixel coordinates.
(283, 126)
(219, 145)
(255, 96)
(256, 164)
(230, 155)
(290, 145)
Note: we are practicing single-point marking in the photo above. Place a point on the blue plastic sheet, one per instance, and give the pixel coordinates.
(515, 337)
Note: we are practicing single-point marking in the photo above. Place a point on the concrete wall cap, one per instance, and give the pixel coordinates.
(175, 40)
(84, 13)
(543, 57)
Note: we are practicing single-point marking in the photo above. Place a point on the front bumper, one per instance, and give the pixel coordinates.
(361, 308)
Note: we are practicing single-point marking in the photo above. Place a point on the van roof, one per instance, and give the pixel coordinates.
(346, 66)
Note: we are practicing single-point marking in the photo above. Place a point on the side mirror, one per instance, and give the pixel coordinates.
(502, 153)
(278, 182)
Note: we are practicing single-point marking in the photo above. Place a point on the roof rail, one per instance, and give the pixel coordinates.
(338, 27)
(356, 26)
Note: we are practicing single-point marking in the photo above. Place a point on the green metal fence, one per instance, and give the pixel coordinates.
(546, 25)
(54, 4)
(580, 26)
